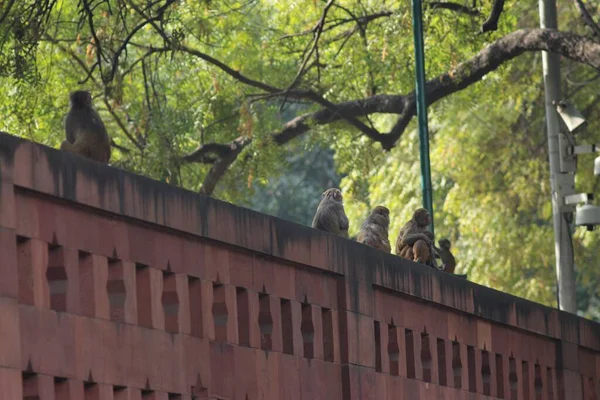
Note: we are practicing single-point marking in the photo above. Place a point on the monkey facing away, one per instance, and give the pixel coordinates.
(85, 131)
(374, 231)
(414, 241)
(330, 215)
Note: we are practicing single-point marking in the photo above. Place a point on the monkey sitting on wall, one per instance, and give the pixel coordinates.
(330, 215)
(414, 241)
(85, 131)
(448, 260)
(374, 231)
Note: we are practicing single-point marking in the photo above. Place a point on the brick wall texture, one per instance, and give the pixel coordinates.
(115, 286)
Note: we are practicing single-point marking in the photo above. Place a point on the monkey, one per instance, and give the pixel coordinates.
(330, 215)
(374, 231)
(414, 241)
(85, 131)
(448, 260)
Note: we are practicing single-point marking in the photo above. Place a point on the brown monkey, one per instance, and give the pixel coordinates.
(374, 231)
(330, 215)
(85, 131)
(414, 241)
(448, 260)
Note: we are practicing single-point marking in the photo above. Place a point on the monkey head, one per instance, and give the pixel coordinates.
(381, 210)
(444, 244)
(421, 217)
(80, 98)
(334, 194)
(381, 215)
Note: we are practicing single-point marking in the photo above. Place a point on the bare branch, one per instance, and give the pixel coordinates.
(203, 56)
(576, 47)
(372, 88)
(587, 18)
(350, 118)
(459, 8)
(125, 42)
(364, 20)
(570, 45)
(296, 94)
(90, 16)
(228, 70)
(220, 167)
(119, 147)
(491, 24)
(7, 8)
(121, 124)
(148, 53)
(318, 30)
(209, 153)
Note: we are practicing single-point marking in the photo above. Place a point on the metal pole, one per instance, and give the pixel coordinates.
(562, 243)
(422, 109)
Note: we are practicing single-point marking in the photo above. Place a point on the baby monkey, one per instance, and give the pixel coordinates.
(448, 260)
(85, 131)
(374, 231)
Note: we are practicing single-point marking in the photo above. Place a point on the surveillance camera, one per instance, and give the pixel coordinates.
(597, 166)
(587, 215)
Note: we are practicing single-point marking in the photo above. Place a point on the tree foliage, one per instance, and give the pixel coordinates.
(252, 101)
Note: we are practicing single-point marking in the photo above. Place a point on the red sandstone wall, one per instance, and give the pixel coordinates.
(118, 287)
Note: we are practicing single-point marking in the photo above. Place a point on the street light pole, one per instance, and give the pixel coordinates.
(417, 15)
(559, 181)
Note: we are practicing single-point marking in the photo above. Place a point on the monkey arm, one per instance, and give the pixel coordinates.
(70, 132)
(412, 238)
(344, 223)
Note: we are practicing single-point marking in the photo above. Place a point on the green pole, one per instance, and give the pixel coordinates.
(422, 109)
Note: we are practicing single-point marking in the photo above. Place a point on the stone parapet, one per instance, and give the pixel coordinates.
(116, 286)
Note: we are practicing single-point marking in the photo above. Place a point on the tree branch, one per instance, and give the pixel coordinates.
(575, 47)
(125, 42)
(491, 24)
(365, 19)
(7, 8)
(587, 18)
(99, 53)
(318, 30)
(186, 49)
(222, 165)
(209, 153)
(459, 8)
(148, 53)
(119, 147)
(296, 94)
